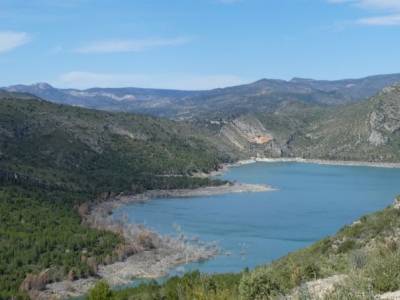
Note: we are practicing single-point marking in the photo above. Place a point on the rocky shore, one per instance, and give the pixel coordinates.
(144, 254)
(317, 161)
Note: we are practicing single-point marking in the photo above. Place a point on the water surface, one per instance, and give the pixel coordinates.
(311, 202)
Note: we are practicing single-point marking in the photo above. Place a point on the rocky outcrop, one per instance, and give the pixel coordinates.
(317, 289)
(249, 136)
(390, 296)
(385, 119)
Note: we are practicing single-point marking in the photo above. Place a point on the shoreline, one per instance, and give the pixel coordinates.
(168, 252)
(349, 163)
(145, 254)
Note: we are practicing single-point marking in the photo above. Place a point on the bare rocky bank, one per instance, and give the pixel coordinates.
(316, 161)
(144, 253)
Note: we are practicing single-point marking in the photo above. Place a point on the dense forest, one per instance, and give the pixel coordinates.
(87, 150)
(39, 230)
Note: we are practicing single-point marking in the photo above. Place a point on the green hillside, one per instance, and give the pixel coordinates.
(87, 150)
(54, 157)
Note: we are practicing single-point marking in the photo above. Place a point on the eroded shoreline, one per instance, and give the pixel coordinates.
(145, 253)
(316, 161)
(158, 259)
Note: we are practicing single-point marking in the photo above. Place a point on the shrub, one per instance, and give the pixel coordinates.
(346, 246)
(259, 284)
(383, 272)
(101, 291)
(358, 259)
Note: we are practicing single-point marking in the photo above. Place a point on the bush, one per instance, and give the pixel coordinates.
(101, 291)
(383, 272)
(259, 284)
(192, 285)
(358, 259)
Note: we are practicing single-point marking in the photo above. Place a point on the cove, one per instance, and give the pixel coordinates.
(311, 202)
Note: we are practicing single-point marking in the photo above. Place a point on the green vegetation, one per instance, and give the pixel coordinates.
(101, 291)
(92, 151)
(191, 286)
(54, 157)
(40, 230)
(367, 251)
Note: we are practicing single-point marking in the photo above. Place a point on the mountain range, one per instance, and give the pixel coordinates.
(266, 95)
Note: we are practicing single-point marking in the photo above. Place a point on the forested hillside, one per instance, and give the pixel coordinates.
(87, 150)
(54, 157)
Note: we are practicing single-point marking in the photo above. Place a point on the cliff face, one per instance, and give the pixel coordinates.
(250, 137)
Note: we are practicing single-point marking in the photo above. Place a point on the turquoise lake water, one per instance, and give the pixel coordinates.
(311, 202)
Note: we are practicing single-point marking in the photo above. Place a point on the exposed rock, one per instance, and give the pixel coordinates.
(396, 203)
(385, 119)
(390, 296)
(248, 135)
(377, 139)
(316, 289)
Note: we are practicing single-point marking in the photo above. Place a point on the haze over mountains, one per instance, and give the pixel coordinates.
(266, 95)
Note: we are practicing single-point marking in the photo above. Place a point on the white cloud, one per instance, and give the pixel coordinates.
(130, 45)
(10, 40)
(79, 79)
(392, 6)
(390, 20)
(372, 4)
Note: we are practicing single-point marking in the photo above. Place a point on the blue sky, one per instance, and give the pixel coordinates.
(194, 44)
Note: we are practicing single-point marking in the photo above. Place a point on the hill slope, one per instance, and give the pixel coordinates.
(54, 157)
(364, 131)
(94, 150)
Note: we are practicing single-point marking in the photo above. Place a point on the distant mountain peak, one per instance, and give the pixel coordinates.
(264, 95)
(42, 85)
(299, 79)
(268, 81)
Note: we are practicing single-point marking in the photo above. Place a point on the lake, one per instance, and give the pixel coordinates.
(311, 202)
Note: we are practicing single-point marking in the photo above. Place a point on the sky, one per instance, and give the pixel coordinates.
(194, 44)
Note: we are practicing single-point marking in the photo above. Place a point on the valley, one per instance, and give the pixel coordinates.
(199, 150)
(72, 159)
